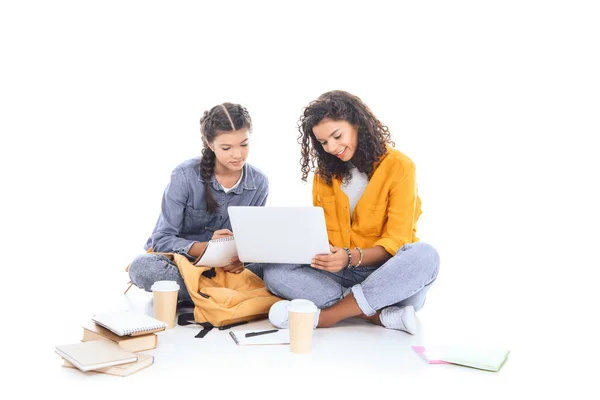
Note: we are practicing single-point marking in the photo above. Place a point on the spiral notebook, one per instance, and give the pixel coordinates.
(219, 253)
(129, 323)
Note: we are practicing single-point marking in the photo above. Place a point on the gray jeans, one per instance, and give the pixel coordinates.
(149, 268)
(403, 280)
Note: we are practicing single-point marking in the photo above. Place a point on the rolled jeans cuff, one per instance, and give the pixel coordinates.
(359, 296)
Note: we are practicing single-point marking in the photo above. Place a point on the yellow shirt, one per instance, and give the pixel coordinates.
(386, 215)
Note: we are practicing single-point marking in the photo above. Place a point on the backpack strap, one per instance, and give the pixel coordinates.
(204, 331)
(188, 319)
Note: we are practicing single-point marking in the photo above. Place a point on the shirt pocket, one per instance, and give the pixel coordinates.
(372, 218)
(195, 221)
(330, 210)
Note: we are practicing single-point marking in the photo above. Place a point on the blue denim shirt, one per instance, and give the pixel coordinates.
(184, 216)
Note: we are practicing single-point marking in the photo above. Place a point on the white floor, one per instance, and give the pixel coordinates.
(351, 352)
(353, 360)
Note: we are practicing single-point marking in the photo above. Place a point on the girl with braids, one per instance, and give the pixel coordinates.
(194, 204)
(377, 270)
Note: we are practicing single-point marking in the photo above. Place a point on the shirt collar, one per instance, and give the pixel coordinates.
(247, 182)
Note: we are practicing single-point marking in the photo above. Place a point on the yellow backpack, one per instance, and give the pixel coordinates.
(222, 299)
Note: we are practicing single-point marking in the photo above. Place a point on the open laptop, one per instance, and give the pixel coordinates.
(286, 235)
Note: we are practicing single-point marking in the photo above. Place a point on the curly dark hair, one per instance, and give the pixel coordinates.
(226, 117)
(338, 105)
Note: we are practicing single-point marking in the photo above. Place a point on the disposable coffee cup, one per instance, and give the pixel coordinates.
(165, 301)
(301, 314)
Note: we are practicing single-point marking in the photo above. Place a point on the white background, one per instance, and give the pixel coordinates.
(497, 103)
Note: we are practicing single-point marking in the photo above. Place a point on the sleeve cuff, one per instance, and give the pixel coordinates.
(185, 251)
(391, 246)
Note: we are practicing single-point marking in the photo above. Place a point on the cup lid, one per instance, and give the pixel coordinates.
(164, 286)
(302, 306)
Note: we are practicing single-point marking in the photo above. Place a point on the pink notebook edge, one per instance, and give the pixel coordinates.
(420, 350)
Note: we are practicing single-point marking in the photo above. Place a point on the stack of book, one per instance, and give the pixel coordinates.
(111, 343)
(145, 342)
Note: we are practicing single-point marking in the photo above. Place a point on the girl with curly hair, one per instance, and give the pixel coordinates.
(377, 269)
(194, 204)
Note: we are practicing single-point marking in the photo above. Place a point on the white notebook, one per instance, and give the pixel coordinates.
(129, 323)
(218, 253)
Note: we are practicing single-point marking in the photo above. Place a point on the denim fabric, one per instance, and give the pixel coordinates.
(149, 268)
(403, 280)
(184, 216)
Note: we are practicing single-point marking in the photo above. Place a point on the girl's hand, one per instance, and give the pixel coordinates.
(235, 266)
(221, 233)
(334, 262)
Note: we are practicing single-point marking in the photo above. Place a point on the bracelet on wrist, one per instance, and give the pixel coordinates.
(349, 257)
(361, 256)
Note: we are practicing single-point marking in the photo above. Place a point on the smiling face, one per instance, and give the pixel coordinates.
(231, 149)
(338, 138)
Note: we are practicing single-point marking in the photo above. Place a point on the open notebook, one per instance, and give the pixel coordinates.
(129, 323)
(218, 253)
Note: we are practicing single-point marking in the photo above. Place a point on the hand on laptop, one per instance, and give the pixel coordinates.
(334, 262)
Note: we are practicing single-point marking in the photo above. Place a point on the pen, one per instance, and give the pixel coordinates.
(210, 228)
(251, 334)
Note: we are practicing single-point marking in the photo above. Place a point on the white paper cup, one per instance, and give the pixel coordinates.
(165, 301)
(301, 314)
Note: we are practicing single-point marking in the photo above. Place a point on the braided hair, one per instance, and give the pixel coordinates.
(338, 105)
(226, 117)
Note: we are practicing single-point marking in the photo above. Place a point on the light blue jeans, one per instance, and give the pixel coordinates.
(403, 280)
(149, 268)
